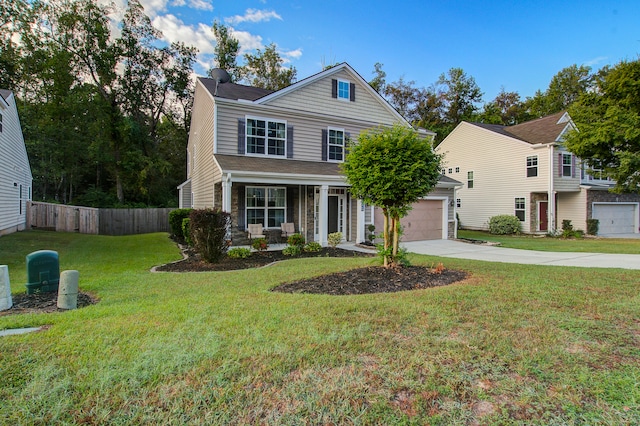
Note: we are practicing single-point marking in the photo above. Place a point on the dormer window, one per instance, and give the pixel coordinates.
(343, 90)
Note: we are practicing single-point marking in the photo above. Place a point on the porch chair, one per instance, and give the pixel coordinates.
(287, 230)
(254, 230)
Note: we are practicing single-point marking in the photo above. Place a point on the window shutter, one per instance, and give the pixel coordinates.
(560, 164)
(347, 141)
(241, 208)
(241, 135)
(290, 203)
(289, 141)
(352, 92)
(324, 144)
(573, 166)
(334, 88)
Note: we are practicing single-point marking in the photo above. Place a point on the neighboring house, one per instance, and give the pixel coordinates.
(272, 157)
(15, 172)
(524, 170)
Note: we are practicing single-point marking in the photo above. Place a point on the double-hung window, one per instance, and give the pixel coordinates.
(344, 90)
(470, 180)
(567, 165)
(266, 205)
(266, 137)
(335, 145)
(520, 208)
(532, 166)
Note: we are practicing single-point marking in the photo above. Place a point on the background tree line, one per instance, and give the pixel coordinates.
(105, 111)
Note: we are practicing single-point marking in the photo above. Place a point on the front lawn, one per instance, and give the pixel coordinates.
(544, 243)
(513, 344)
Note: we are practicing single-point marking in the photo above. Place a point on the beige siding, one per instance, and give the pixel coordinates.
(307, 130)
(573, 206)
(499, 173)
(316, 98)
(15, 172)
(200, 149)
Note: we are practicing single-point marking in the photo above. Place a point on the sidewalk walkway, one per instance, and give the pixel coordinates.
(460, 250)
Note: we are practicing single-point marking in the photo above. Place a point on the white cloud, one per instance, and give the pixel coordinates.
(247, 40)
(293, 54)
(178, 3)
(201, 4)
(174, 30)
(253, 15)
(595, 61)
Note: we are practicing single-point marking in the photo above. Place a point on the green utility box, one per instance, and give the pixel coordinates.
(43, 272)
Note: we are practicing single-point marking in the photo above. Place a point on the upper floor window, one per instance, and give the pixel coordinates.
(343, 89)
(457, 169)
(567, 165)
(266, 137)
(532, 166)
(520, 208)
(335, 145)
(470, 179)
(450, 170)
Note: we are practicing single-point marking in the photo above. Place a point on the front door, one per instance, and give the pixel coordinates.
(332, 225)
(543, 216)
(336, 211)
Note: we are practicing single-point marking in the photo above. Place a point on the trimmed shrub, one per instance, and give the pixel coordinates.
(175, 222)
(334, 239)
(296, 240)
(186, 231)
(239, 253)
(260, 244)
(209, 230)
(312, 247)
(592, 226)
(291, 250)
(504, 225)
(372, 233)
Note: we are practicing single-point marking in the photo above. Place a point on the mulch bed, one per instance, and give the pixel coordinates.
(43, 303)
(374, 279)
(193, 263)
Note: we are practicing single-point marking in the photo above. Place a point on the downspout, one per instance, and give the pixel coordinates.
(215, 128)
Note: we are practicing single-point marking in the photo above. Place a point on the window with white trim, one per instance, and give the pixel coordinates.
(266, 137)
(457, 169)
(450, 170)
(266, 205)
(470, 179)
(520, 209)
(532, 166)
(335, 144)
(567, 165)
(344, 90)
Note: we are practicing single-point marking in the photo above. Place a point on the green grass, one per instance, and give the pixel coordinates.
(544, 243)
(535, 345)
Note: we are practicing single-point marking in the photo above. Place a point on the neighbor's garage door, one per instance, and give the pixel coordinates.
(424, 221)
(615, 218)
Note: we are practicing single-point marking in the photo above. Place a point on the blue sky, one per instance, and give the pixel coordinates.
(518, 45)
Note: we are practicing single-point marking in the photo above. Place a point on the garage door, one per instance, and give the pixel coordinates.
(424, 221)
(615, 218)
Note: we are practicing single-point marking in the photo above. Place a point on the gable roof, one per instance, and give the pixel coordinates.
(5, 94)
(543, 130)
(233, 91)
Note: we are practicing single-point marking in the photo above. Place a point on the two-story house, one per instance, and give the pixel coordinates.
(15, 171)
(524, 170)
(272, 157)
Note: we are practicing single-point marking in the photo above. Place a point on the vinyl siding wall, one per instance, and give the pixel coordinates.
(200, 149)
(573, 206)
(15, 172)
(316, 98)
(499, 166)
(307, 130)
(565, 183)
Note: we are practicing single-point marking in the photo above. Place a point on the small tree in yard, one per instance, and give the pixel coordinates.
(209, 233)
(391, 168)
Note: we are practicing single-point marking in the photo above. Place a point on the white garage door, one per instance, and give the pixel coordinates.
(424, 221)
(615, 218)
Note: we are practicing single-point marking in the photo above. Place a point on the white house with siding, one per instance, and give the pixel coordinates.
(15, 172)
(272, 157)
(524, 170)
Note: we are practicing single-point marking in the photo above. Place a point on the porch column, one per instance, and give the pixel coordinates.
(226, 193)
(360, 231)
(323, 213)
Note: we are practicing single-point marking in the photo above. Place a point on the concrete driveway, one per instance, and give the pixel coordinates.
(461, 250)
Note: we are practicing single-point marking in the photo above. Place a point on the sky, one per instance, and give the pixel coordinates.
(512, 45)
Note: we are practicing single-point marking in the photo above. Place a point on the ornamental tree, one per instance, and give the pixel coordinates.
(391, 168)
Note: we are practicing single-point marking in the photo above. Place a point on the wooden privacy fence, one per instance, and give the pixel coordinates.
(87, 220)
